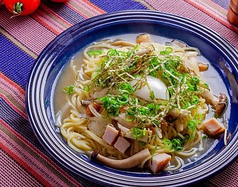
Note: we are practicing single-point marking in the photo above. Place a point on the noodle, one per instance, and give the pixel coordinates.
(114, 86)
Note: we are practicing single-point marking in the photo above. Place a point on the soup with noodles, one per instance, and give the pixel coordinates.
(140, 104)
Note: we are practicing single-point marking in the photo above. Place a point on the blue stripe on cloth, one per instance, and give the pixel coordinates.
(18, 123)
(223, 3)
(66, 13)
(112, 6)
(14, 61)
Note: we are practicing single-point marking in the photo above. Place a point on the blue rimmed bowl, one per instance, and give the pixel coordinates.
(55, 57)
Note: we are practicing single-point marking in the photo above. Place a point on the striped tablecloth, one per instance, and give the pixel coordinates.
(23, 161)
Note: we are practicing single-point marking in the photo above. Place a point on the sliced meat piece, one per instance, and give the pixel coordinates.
(212, 127)
(110, 135)
(159, 162)
(122, 144)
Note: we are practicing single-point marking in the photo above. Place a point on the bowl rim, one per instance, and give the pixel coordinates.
(40, 71)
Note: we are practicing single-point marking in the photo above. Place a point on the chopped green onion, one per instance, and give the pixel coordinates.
(168, 50)
(68, 89)
(152, 95)
(94, 52)
(176, 144)
(123, 99)
(86, 88)
(126, 87)
(204, 136)
(138, 133)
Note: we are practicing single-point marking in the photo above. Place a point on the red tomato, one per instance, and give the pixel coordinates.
(1, 2)
(22, 7)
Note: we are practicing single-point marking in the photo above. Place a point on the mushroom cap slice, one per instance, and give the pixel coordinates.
(128, 163)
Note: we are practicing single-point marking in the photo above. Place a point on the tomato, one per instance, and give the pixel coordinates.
(22, 7)
(1, 2)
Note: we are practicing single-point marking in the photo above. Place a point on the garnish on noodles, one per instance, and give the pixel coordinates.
(141, 105)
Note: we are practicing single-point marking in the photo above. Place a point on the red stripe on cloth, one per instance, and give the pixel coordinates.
(26, 30)
(17, 157)
(13, 106)
(13, 89)
(50, 19)
(211, 3)
(10, 170)
(41, 17)
(77, 10)
(88, 9)
(191, 12)
(41, 155)
(63, 21)
(211, 11)
(16, 86)
(100, 11)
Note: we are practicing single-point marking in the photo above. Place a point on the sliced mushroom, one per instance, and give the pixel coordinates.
(86, 102)
(142, 52)
(123, 121)
(122, 43)
(220, 108)
(192, 49)
(175, 112)
(177, 43)
(128, 163)
(202, 66)
(219, 103)
(178, 125)
(209, 97)
(100, 93)
(143, 38)
(93, 110)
